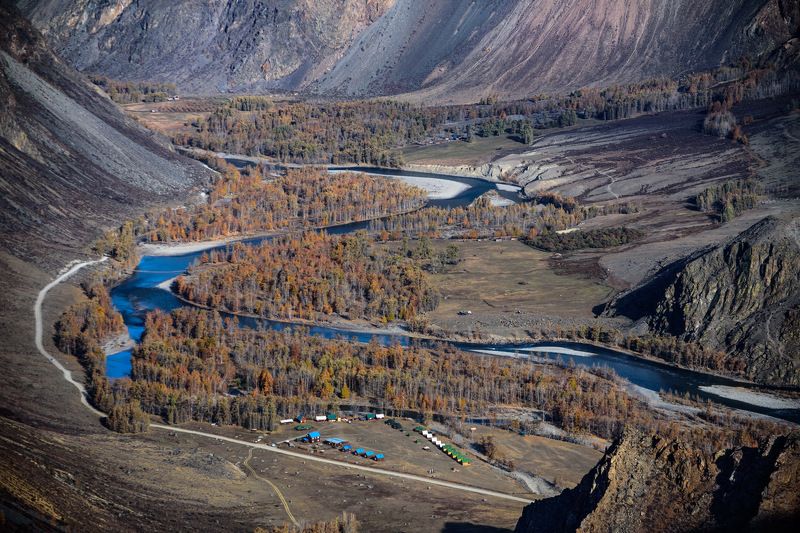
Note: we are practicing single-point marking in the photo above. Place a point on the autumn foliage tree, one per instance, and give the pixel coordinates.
(246, 202)
(195, 365)
(311, 276)
(80, 331)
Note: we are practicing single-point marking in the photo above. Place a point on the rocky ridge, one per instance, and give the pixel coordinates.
(647, 482)
(742, 296)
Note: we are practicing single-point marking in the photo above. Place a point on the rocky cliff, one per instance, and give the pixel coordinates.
(649, 483)
(742, 296)
(70, 162)
(440, 50)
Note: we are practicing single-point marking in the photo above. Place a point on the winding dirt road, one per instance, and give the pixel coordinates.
(37, 313)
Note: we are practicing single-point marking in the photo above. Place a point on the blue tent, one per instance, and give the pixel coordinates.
(378, 457)
(359, 451)
(368, 454)
(346, 448)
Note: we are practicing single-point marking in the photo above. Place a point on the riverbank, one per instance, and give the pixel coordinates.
(752, 397)
(172, 249)
(183, 248)
(435, 188)
(501, 346)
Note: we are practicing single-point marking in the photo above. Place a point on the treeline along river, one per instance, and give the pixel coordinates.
(142, 292)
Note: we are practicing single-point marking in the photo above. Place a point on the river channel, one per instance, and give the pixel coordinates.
(140, 293)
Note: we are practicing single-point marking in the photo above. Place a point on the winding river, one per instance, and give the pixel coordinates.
(141, 293)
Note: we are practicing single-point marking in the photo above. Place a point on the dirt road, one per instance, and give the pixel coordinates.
(37, 313)
(275, 488)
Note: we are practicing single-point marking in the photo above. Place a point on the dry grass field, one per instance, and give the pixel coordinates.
(559, 462)
(507, 284)
(482, 150)
(169, 118)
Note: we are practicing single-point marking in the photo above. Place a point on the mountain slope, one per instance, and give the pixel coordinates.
(652, 483)
(523, 48)
(205, 46)
(742, 296)
(72, 162)
(439, 50)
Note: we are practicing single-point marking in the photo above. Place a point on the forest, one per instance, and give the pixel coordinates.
(578, 240)
(481, 219)
(126, 92)
(312, 276)
(193, 364)
(79, 332)
(247, 202)
(372, 131)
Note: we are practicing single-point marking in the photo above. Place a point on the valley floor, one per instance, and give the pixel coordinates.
(172, 478)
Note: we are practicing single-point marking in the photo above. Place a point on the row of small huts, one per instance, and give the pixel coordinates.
(329, 417)
(449, 449)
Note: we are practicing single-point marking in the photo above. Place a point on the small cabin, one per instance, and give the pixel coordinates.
(314, 436)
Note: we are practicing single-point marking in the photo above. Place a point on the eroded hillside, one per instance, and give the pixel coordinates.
(459, 51)
(437, 50)
(205, 46)
(72, 162)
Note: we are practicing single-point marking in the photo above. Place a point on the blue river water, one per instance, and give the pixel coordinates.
(140, 293)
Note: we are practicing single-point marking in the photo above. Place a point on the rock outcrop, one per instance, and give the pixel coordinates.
(742, 296)
(71, 162)
(438, 50)
(649, 483)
